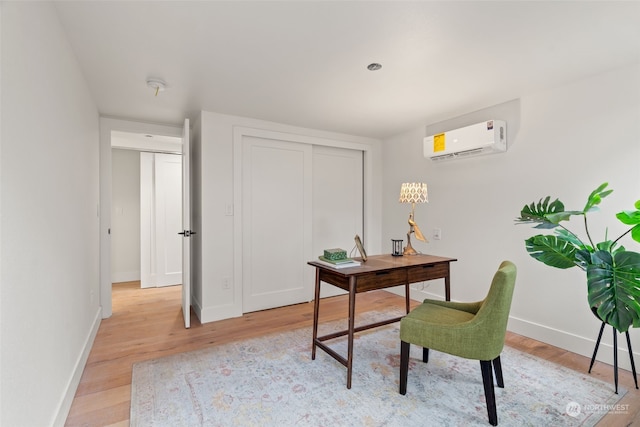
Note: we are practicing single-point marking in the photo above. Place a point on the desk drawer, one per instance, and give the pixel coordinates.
(381, 279)
(427, 272)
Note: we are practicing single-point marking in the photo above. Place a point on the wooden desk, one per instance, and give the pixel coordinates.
(379, 272)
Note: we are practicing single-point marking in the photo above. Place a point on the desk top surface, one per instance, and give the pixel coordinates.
(385, 262)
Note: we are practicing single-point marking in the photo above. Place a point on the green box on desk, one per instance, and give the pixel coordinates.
(335, 254)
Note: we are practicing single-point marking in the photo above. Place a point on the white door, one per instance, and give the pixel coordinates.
(168, 198)
(337, 202)
(147, 221)
(276, 222)
(160, 219)
(186, 226)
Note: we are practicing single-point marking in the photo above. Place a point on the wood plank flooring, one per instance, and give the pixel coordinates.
(147, 324)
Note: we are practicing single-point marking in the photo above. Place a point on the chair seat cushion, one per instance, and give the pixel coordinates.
(439, 315)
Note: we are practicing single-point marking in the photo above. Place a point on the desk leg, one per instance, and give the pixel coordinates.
(316, 307)
(352, 317)
(447, 287)
(407, 298)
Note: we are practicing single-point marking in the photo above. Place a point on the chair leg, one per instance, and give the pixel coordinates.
(497, 368)
(489, 394)
(425, 354)
(404, 366)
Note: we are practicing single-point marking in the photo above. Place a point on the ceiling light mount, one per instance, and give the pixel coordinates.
(158, 85)
(374, 66)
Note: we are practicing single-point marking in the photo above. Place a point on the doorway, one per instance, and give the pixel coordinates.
(150, 137)
(146, 210)
(146, 215)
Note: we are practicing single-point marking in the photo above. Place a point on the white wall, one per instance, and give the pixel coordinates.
(49, 191)
(125, 215)
(566, 142)
(213, 189)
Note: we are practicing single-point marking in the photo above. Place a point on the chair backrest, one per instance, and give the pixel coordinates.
(493, 315)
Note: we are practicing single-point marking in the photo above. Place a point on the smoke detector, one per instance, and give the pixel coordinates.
(157, 85)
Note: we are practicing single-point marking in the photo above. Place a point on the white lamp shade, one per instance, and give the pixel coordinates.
(413, 192)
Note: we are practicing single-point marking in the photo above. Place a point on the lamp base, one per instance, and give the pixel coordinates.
(408, 250)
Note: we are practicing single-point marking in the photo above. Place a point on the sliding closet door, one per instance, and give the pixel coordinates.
(276, 222)
(297, 200)
(337, 201)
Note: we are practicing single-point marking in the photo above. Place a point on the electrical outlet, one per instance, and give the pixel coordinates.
(437, 234)
(226, 283)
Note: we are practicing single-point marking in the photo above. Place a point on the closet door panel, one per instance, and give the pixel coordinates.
(276, 222)
(337, 201)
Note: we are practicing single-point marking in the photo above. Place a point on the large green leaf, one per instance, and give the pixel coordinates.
(613, 282)
(554, 251)
(635, 233)
(537, 213)
(583, 258)
(565, 235)
(596, 197)
(632, 218)
(562, 216)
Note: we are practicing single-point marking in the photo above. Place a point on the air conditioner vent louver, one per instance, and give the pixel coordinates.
(469, 152)
(482, 138)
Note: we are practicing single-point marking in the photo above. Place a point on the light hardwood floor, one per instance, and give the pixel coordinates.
(147, 323)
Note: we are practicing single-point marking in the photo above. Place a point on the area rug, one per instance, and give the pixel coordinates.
(272, 381)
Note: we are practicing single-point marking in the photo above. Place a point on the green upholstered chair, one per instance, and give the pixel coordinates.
(473, 330)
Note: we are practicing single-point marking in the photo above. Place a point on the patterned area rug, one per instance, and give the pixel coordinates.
(272, 381)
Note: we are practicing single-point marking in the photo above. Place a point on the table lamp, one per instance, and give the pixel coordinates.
(413, 193)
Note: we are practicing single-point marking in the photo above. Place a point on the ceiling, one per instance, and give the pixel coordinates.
(305, 63)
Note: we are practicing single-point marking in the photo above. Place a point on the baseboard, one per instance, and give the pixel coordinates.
(556, 337)
(72, 386)
(217, 312)
(574, 343)
(125, 276)
(197, 308)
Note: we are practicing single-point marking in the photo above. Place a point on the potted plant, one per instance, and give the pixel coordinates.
(613, 272)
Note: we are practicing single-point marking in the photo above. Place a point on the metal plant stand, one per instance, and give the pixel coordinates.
(615, 354)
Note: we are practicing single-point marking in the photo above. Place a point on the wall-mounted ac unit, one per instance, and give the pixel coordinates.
(482, 138)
